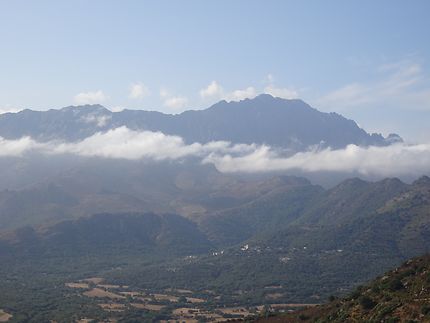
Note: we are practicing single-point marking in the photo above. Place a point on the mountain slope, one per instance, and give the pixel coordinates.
(116, 186)
(290, 124)
(401, 295)
(108, 234)
(283, 238)
(362, 229)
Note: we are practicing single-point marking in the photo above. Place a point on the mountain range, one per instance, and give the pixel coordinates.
(181, 224)
(289, 124)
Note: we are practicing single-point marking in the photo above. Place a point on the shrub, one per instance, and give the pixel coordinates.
(303, 317)
(395, 284)
(367, 303)
(425, 309)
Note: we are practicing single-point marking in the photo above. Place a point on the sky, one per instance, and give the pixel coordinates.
(367, 60)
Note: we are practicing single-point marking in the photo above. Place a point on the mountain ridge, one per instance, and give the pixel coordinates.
(289, 124)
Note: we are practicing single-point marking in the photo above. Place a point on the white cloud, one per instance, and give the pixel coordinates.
(90, 97)
(128, 144)
(400, 85)
(117, 109)
(138, 91)
(123, 143)
(249, 93)
(285, 93)
(176, 102)
(19, 147)
(394, 160)
(213, 90)
(279, 92)
(98, 120)
(269, 78)
(8, 108)
(171, 101)
(164, 93)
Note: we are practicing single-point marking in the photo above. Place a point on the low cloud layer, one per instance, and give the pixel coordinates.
(123, 143)
(395, 160)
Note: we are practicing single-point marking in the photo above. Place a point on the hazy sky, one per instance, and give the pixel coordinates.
(368, 60)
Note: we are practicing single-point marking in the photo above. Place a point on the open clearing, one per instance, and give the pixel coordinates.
(4, 317)
(115, 298)
(78, 285)
(195, 300)
(149, 307)
(94, 280)
(164, 297)
(291, 305)
(274, 295)
(108, 286)
(98, 292)
(131, 294)
(235, 310)
(113, 307)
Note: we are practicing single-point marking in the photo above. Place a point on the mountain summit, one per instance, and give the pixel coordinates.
(289, 124)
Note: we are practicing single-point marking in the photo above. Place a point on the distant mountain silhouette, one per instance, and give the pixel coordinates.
(289, 124)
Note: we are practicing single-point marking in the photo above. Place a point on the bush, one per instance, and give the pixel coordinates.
(395, 284)
(392, 320)
(425, 309)
(303, 317)
(356, 294)
(367, 303)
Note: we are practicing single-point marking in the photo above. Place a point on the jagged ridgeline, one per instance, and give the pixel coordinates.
(277, 122)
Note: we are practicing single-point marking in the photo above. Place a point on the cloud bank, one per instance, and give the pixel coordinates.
(394, 160)
(123, 143)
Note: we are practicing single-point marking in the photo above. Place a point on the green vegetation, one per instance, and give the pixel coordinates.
(382, 300)
(293, 242)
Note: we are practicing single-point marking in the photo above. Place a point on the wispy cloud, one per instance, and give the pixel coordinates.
(285, 93)
(280, 92)
(215, 91)
(247, 93)
(174, 102)
(90, 97)
(138, 91)
(400, 85)
(98, 120)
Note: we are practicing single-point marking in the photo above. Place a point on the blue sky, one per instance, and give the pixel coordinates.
(368, 60)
